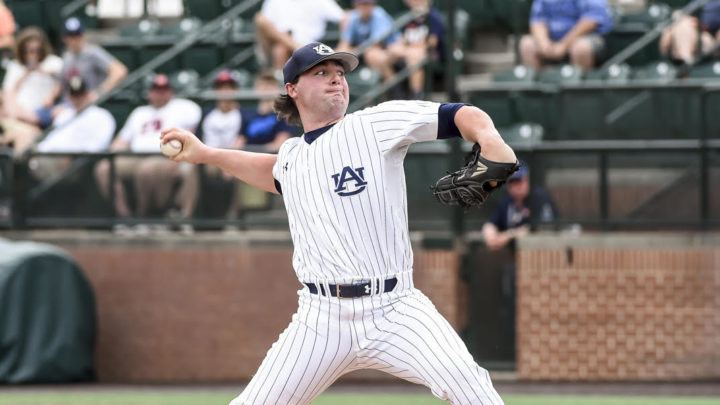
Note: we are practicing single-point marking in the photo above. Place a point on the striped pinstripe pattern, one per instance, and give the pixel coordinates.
(345, 196)
(400, 333)
(363, 236)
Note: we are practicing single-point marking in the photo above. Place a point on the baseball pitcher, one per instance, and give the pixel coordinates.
(343, 186)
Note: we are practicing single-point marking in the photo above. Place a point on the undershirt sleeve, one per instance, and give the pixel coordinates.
(446, 120)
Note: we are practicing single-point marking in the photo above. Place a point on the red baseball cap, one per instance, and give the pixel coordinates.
(160, 81)
(224, 77)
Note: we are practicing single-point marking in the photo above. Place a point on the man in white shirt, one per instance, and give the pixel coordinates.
(285, 25)
(77, 128)
(154, 177)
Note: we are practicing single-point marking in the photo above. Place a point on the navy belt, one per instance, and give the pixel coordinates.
(351, 290)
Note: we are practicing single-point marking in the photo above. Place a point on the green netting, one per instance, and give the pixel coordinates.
(47, 316)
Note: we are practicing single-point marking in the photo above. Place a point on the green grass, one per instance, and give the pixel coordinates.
(208, 398)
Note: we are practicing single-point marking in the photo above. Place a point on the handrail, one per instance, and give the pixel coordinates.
(646, 39)
(71, 8)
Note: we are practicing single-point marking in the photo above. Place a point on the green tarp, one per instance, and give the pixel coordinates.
(47, 316)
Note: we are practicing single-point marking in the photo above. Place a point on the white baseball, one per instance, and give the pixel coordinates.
(171, 148)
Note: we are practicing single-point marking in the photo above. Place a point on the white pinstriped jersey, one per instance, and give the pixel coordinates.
(345, 193)
(344, 190)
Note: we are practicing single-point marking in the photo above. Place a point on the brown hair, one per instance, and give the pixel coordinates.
(32, 34)
(286, 109)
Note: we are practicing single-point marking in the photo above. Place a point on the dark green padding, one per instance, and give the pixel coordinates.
(47, 316)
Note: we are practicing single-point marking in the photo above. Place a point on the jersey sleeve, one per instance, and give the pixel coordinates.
(277, 170)
(398, 124)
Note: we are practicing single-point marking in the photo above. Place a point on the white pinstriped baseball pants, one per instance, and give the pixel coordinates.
(399, 332)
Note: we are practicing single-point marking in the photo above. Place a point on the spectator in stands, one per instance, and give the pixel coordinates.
(368, 21)
(423, 37)
(562, 30)
(98, 68)
(7, 27)
(285, 25)
(679, 41)
(260, 125)
(228, 127)
(30, 88)
(79, 128)
(154, 177)
(522, 207)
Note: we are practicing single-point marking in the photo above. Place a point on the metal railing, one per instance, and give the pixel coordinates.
(434, 216)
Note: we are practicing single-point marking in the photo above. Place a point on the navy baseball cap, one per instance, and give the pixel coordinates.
(73, 26)
(521, 173)
(76, 85)
(313, 53)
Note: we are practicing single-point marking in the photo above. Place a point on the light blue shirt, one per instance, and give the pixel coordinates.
(560, 16)
(379, 23)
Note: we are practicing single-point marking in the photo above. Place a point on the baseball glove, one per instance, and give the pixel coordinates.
(471, 185)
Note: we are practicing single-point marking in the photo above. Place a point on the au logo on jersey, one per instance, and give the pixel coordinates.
(349, 181)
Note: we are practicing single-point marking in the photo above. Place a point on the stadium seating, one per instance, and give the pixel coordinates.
(500, 105)
(184, 81)
(524, 134)
(613, 74)
(656, 71)
(363, 80)
(185, 26)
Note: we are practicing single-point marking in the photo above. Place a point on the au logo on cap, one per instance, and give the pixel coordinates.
(323, 49)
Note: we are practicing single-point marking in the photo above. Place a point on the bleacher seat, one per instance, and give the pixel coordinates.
(647, 18)
(658, 70)
(522, 134)
(362, 80)
(245, 79)
(184, 80)
(242, 30)
(584, 108)
(502, 106)
(182, 28)
(141, 29)
(518, 74)
(562, 74)
(706, 70)
(616, 73)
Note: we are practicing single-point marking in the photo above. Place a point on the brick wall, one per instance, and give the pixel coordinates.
(207, 309)
(618, 308)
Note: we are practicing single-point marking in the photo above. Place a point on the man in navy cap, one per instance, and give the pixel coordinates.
(524, 206)
(343, 185)
(100, 70)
